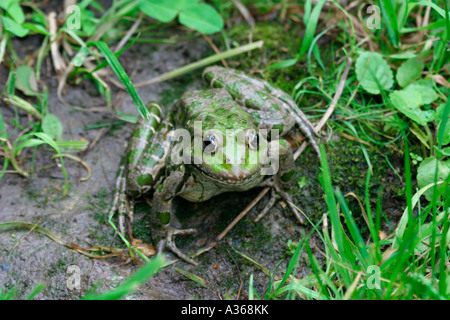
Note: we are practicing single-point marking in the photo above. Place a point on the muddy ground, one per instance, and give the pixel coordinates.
(81, 217)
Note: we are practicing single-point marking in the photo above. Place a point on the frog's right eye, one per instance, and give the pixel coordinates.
(210, 144)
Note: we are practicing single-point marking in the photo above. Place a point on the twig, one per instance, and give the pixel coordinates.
(247, 16)
(216, 50)
(58, 61)
(200, 64)
(129, 33)
(26, 234)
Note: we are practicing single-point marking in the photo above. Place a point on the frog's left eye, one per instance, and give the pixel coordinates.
(253, 140)
(210, 145)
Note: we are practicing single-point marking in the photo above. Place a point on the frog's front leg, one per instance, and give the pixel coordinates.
(165, 223)
(283, 173)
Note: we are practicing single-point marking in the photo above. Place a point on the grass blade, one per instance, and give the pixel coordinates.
(122, 75)
(132, 283)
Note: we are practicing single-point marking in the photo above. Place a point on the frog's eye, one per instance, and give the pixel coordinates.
(253, 140)
(210, 145)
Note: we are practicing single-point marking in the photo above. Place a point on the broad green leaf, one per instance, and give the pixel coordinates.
(426, 173)
(373, 72)
(14, 27)
(409, 102)
(439, 116)
(26, 80)
(52, 126)
(445, 151)
(160, 10)
(201, 17)
(183, 4)
(36, 28)
(14, 10)
(427, 93)
(409, 71)
(28, 143)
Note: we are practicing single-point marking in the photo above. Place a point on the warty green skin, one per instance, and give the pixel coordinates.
(236, 102)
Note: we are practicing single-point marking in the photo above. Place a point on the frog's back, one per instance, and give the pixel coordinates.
(214, 108)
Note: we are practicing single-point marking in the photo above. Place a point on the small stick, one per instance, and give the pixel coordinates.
(58, 61)
(201, 63)
(216, 50)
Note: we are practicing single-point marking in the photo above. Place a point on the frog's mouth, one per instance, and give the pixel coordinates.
(236, 175)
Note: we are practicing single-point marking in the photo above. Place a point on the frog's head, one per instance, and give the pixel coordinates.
(225, 143)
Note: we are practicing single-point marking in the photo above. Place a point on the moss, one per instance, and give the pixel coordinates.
(348, 168)
(285, 45)
(177, 87)
(47, 195)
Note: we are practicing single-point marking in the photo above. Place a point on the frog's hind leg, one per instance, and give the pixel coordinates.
(165, 223)
(120, 203)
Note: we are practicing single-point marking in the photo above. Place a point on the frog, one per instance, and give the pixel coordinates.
(187, 152)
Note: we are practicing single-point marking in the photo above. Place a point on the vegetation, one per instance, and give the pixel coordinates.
(394, 100)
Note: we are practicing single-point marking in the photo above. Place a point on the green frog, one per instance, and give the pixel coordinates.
(227, 138)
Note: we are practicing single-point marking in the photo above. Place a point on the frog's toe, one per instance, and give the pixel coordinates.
(273, 198)
(170, 243)
(276, 194)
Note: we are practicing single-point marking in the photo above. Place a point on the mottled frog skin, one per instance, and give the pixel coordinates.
(236, 102)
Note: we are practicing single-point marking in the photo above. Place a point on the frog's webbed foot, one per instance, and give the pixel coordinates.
(276, 194)
(170, 243)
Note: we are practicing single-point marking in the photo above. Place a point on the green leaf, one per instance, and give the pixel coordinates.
(426, 173)
(427, 93)
(80, 56)
(201, 17)
(36, 28)
(3, 133)
(445, 151)
(52, 126)
(14, 10)
(26, 80)
(373, 72)
(72, 144)
(283, 64)
(28, 143)
(408, 102)
(14, 27)
(446, 132)
(160, 10)
(409, 71)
